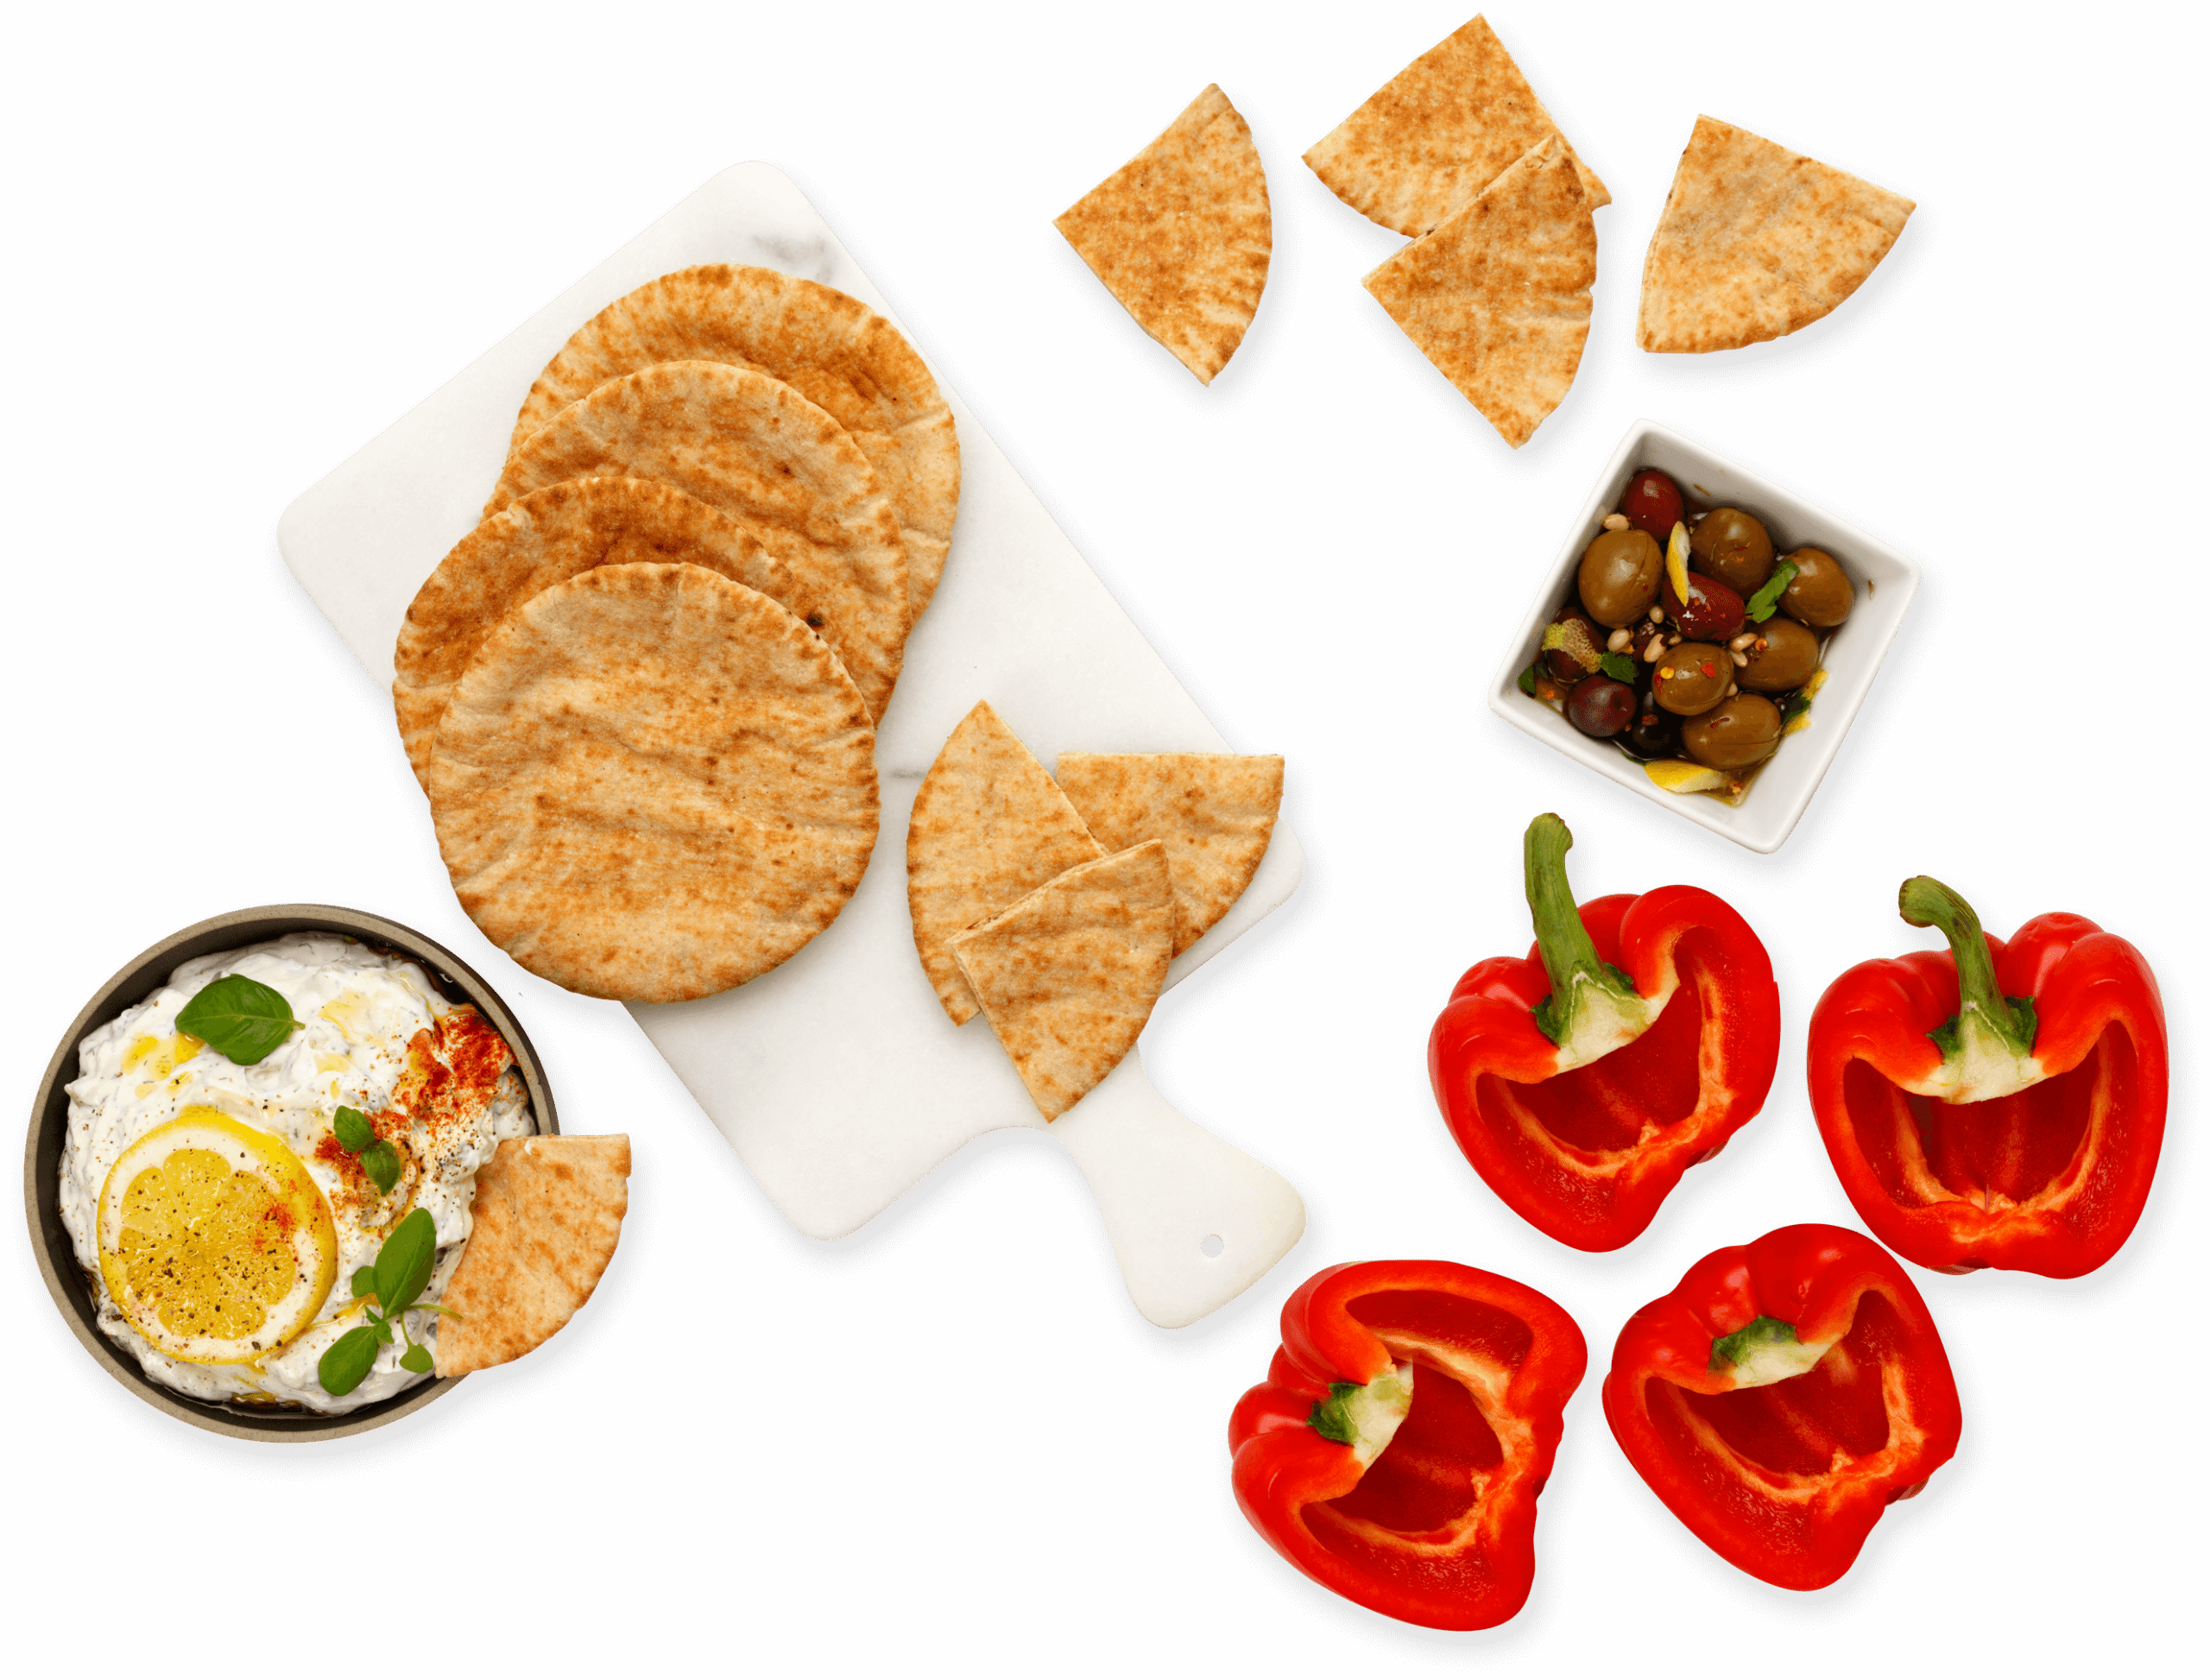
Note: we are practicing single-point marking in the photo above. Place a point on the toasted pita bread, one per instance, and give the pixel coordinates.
(1215, 812)
(1757, 241)
(1182, 234)
(832, 349)
(1069, 975)
(548, 537)
(988, 825)
(1497, 297)
(754, 448)
(1447, 124)
(547, 1213)
(654, 784)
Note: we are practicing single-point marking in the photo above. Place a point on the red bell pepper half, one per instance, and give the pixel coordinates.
(1994, 1104)
(1635, 1039)
(1394, 1451)
(1783, 1397)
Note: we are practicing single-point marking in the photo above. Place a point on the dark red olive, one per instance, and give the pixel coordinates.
(1600, 707)
(1653, 732)
(1713, 612)
(1652, 503)
(1579, 645)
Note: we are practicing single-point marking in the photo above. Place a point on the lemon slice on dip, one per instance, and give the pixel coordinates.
(215, 1243)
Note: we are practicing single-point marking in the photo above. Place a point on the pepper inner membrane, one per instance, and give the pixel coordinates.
(1797, 1425)
(2006, 1149)
(1434, 1470)
(1604, 1105)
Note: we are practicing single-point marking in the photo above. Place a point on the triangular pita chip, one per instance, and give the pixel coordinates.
(1497, 297)
(988, 825)
(832, 349)
(1451, 122)
(1215, 812)
(549, 1212)
(754, 448)
(551, 535)
(1181, 233)
(1756, 242)
(1068, 975)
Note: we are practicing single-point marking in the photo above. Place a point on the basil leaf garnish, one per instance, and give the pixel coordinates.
(405, 1262)
(238, 1018)
(1760, 606)
(348, 1361)
(381, 1162)
(415, 1359)
(364, 1282)
(1618, 667)
(354, 1130)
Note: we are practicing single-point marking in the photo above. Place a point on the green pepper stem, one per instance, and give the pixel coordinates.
(1925, 902)
(1567, 951)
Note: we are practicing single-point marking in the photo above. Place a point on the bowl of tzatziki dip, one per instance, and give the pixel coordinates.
(238, 1130)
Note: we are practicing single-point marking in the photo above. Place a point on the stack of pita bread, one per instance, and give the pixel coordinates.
(642, 695)
(1182, 234)
(1053, 907)
(1458, 153)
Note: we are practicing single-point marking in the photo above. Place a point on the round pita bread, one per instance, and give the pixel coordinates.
(833, 350)
(551, 535)
(753, 448)
(654, 784)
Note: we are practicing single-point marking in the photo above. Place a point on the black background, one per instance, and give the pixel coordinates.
(953, 1433)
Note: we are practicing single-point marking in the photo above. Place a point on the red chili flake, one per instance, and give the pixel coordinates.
(1708, 670)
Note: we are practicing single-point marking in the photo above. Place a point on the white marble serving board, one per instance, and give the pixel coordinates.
(837, 1078)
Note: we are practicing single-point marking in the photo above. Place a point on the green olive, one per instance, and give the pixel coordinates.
(1620, 574)
(1742, 732)
(1821, 594)
(1783, 657)
(1731, 546)
(1691, 678)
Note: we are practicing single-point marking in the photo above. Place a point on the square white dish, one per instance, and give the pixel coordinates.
(1888, 583)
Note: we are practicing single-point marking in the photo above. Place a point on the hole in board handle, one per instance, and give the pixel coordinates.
(1210, 1247)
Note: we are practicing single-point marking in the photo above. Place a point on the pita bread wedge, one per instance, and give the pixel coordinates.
(548, 537)
(1497, 296)
(989, 826)
(1214, 811)
(1446, 125)
(549, 1212)
(832, 349)
(1757, 241)
(1182, 234)
(1069, 975)
(652, 784)
(753, 448)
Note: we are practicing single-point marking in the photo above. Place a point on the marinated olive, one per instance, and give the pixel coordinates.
(1573, 646)
(1652, 503)
(1821, 594)
(1733, 547)
(1692, 677)
(1619, 575)
(1783, 657)
(1742, 732)
(1654, 732)
(1600, 707)
(1713, 612)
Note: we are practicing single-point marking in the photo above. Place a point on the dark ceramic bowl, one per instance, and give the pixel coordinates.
(143, 976)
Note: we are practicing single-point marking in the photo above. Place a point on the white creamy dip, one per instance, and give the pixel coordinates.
(377, 1038)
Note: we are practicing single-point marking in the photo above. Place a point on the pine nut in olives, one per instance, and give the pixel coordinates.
(1782, 657)
(1731, 546)
(1741, 732)
(1821, 594)
(1712, 612)
(1692, 677)
(1619, 641)
(1601, 708)
(1619, 573)
(1652, 503)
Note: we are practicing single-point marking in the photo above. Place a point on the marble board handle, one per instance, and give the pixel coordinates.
(1194, 1221)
